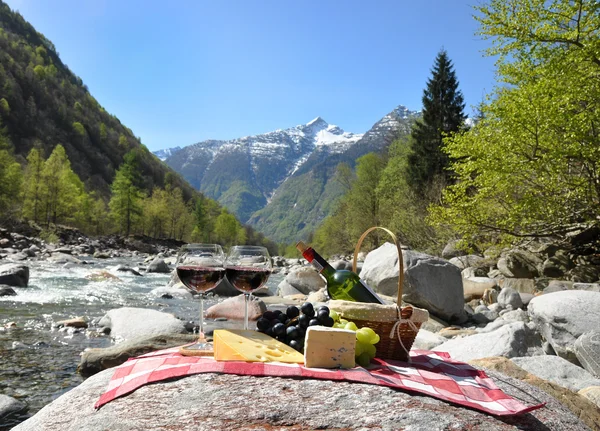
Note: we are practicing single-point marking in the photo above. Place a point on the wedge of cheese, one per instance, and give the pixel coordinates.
(252, 346)
(329, 347)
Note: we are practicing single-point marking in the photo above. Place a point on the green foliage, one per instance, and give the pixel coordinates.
(61, 190)
(34, 184)
(79, 129)
(228, 230)
(443, 114)
(49, 236)
(11, 177)
(4, 106)
(531, 166)
(126, 200)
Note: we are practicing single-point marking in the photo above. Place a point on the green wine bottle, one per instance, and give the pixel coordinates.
(341, 283)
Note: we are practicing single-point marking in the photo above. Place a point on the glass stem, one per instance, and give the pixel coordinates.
(246, 297)
(201, 325)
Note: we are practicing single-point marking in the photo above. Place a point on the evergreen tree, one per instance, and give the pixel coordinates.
(126, 200)
(11, 177)
(443, 114)
(62, 188)
(33, 185)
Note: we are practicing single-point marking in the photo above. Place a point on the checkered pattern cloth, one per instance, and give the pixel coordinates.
(430, 373)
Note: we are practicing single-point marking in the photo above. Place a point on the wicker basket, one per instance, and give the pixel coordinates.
(396, 326)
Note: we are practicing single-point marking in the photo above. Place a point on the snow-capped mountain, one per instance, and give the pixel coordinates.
(244, 173)
(281, 182)
(166, 153)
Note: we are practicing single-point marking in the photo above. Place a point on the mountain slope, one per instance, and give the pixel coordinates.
(311, 193)
(42, 104)
(243, 174)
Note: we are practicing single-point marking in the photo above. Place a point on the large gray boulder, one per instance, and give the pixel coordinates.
(14, 275)
(520, 264)
(587, 350)
(508, 296)
(305, 279)
(557, 370)
(10, 410)
(562, 317)
(429, 282)
(218, 402)
(158, 265)
(510, 340)
(129, 323)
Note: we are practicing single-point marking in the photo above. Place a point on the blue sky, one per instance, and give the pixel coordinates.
(180, 72)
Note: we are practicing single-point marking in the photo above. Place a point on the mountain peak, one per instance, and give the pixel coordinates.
(317, 122)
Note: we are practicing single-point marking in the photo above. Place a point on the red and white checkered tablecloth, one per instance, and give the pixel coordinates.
(429, 373)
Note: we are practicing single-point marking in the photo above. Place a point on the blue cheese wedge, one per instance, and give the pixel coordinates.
(329, 347)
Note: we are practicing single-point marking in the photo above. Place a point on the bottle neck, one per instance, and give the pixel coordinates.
(315, 259)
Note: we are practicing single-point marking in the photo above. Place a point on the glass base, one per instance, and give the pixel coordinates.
(201, 348)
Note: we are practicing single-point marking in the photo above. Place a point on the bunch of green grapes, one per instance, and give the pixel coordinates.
(366, 339)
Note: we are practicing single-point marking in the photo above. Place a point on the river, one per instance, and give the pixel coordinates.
(38, 361)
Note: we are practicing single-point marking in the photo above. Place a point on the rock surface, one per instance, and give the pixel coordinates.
(7, 291)
(429, 282)
(562, 317)
(9, 408)
(14, 275)
(510, 340)
(233, 308)
(129, 323)
(587, 350)
(580, 406)
(220, 402)
(558, 370)
(158, 265)
(95, 360)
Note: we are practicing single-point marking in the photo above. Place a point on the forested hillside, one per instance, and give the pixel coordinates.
(65, 160)
(43, 103)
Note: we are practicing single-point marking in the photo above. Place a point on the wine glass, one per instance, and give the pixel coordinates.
(247, 268)
(200, 269)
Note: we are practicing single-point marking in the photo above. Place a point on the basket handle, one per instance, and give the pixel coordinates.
(400, 258)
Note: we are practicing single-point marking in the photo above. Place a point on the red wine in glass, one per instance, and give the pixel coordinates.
(247, 279)
(200, 279)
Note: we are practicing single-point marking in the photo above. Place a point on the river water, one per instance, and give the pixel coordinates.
(38, 361)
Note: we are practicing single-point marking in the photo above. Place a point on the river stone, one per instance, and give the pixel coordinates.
(519, 264)
(510, 340)
(475, 287)
(578, 405)
(97, 359)
(286, 289)
(305, 279)
(467, 261)
(562, 317)
(474, 272)
(556, 266)
(225, 288)
(9, 408)
(128, 323)
(585, 273)
(587, 350)
(233, 308)
(60, 258)
(558, 285)
(178, 290)
(429, 282)
(592, 287)
(427, 340)
(522, 285)
(15, 275)
(508, 296)
(592, 393)
(7, 291)
(557, 370)
(213, 402)
(122, 268)
(158, 265)
(517, 315)
(77, 322)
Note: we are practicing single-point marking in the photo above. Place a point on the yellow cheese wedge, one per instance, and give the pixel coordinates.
(252, 346)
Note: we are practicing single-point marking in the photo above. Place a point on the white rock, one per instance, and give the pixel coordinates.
(427, 340)
(510, 340)
(562, 317)
(128, 323)
(557, 370)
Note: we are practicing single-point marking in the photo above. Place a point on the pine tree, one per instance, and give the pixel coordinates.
(126, 200)
(443, 114)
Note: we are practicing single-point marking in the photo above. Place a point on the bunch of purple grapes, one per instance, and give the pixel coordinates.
(290, 327)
